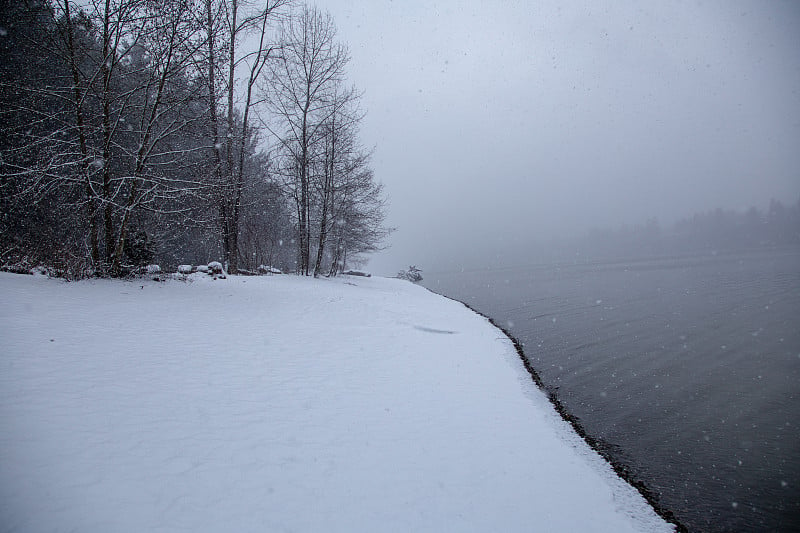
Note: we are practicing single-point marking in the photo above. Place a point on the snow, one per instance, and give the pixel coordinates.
(268, 269)
(281, 403)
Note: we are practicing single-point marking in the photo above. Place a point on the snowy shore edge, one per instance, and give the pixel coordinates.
(595, 443)
(282, 404)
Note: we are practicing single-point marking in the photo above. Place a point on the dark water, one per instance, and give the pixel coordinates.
(688, 367)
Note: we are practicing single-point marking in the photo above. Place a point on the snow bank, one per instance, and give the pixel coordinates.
(281, 404)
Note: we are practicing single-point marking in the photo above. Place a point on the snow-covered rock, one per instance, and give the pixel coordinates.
(216, 270)
(267, 269)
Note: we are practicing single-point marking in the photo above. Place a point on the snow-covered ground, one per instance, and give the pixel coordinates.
(281, 404)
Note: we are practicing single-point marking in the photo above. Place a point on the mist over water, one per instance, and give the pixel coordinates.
(508, 126)
(686, 366)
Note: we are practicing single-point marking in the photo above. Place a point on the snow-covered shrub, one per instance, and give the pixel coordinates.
(63, 264)
(22, 266)
(153, 269)
(413, 274)
(184, 269)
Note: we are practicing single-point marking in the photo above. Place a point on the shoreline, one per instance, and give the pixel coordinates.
(596, 444)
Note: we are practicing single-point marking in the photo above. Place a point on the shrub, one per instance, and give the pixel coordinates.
(139, 248)
(413, 274)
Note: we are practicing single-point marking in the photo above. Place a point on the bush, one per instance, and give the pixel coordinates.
(139, 249)
(413, 274)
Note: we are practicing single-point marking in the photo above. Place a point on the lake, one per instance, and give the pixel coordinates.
(687, 368)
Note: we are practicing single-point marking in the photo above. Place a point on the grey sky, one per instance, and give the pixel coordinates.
(509, 123)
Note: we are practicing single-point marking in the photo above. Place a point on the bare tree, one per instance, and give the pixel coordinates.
(169, 41)
(129, 96)
(359, 212)
(80, 93)
(301, 90)
(338, 147)
(35, 149)
(238, 20)
(138, 119)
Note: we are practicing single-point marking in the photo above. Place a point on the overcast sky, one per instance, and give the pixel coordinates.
(511, 123)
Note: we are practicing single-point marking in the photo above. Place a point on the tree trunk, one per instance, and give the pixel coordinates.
(86, 164)
(323, 236)
(116, 267)
(304, 201)
(216, 145)
(108, 220)
(327, 193)
(231, 243)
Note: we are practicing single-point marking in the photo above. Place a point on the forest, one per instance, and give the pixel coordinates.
(180, 132)
(717, 230)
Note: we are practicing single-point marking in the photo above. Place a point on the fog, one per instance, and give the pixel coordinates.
(505, 125)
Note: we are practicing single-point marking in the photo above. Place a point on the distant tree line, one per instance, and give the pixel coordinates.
(176, 131)
(778, 225)
(718, 229)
